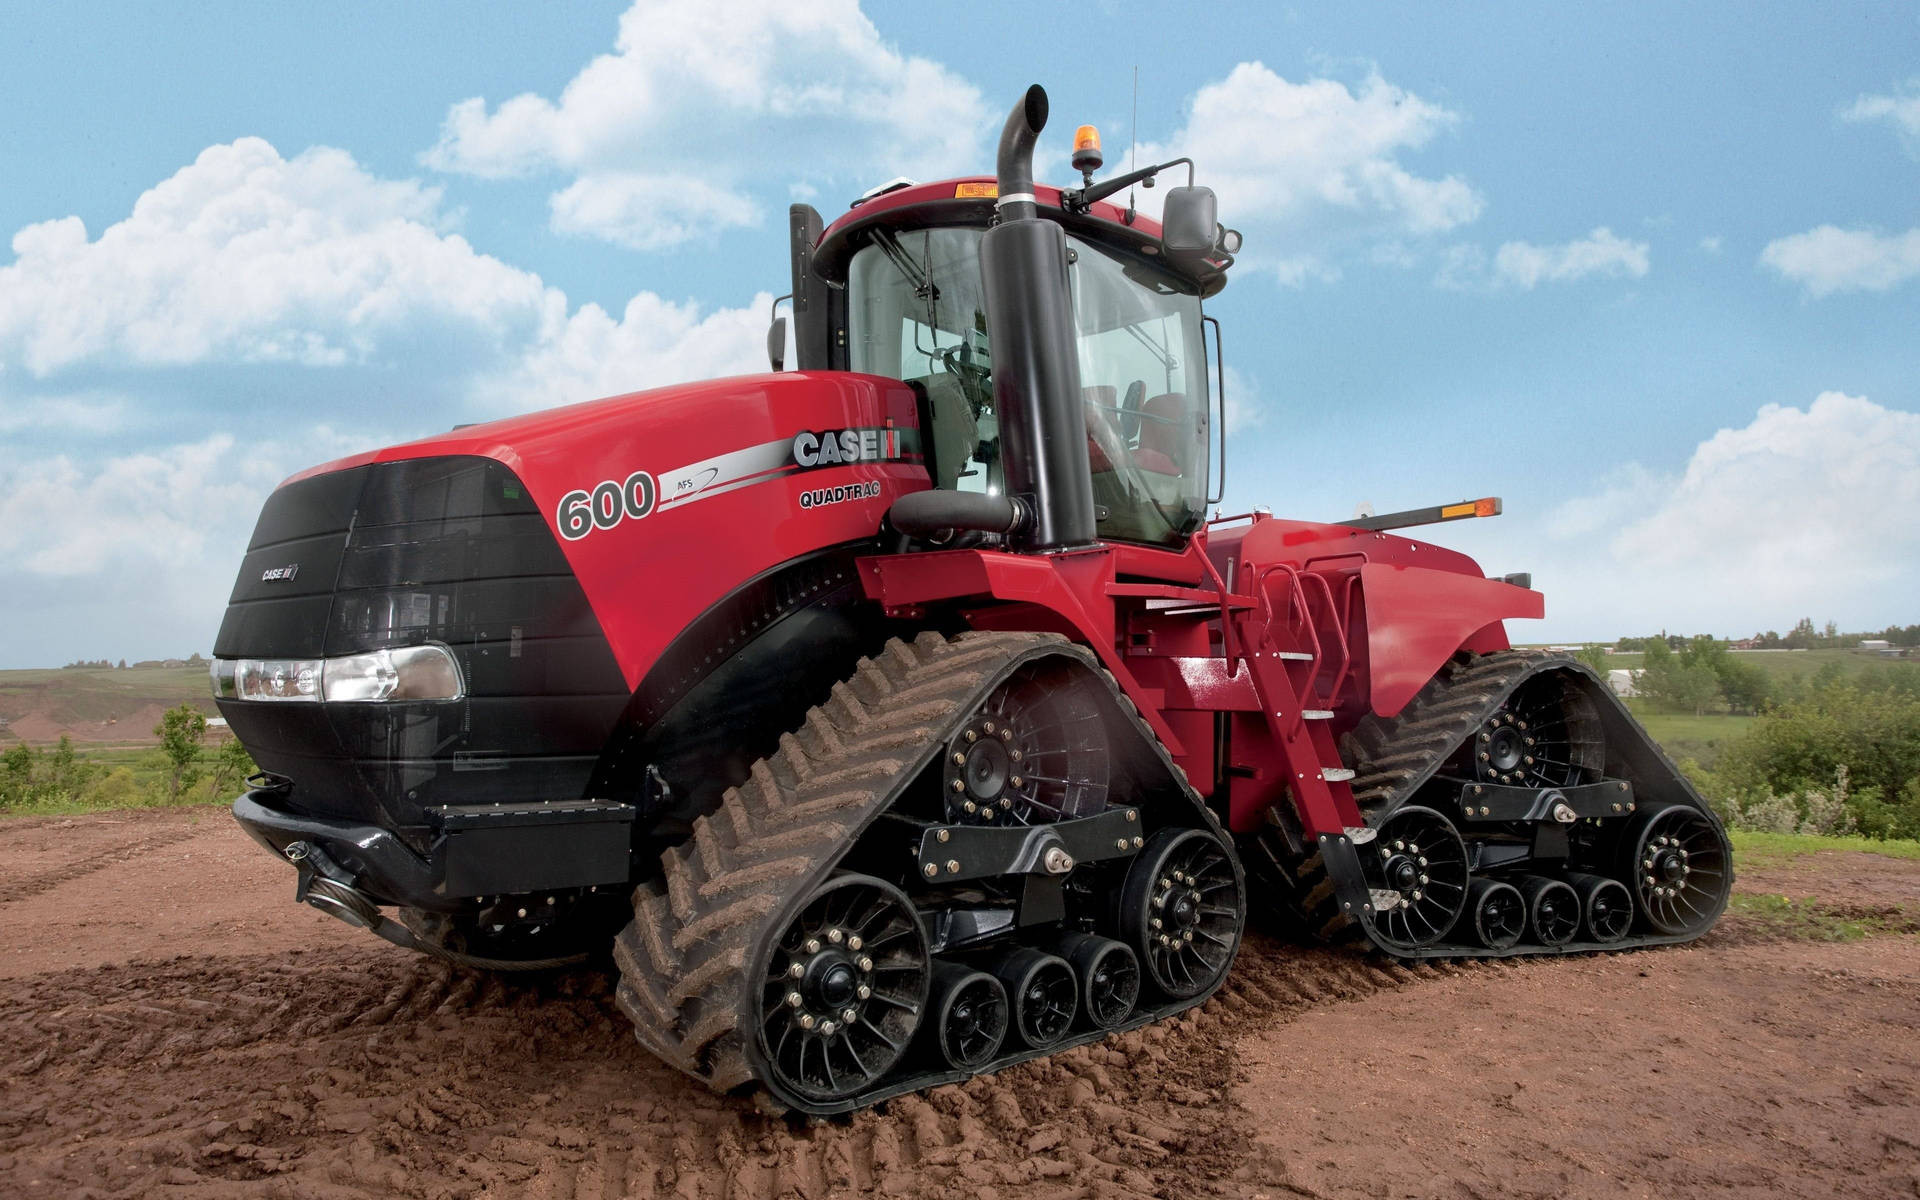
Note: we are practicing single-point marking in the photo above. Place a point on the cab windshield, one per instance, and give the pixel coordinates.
(916, 312)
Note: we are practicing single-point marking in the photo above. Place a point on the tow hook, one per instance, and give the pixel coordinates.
(329, 887)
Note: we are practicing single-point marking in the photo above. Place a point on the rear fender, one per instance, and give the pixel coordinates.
(1418, 617)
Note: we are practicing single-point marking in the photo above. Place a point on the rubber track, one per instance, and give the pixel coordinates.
(689, 961)
(1391, 758)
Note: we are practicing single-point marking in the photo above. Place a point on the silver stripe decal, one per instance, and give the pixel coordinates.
(724, 472)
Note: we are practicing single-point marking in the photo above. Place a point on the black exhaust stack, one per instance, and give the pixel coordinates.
(1036, 365)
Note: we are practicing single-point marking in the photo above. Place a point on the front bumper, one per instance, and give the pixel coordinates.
(382, 865)
(488, 850)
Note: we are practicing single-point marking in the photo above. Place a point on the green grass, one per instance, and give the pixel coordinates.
(1684, 735)
(1810, 920)
(1767, 849)
(1783, 664)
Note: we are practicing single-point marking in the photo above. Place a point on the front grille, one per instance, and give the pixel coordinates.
(447, 550)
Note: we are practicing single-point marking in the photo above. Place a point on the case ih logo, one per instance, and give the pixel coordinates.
(279, 574)
(835, 447)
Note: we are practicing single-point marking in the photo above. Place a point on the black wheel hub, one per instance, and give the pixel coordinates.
(1035, 751)
(1546, 734)
(1182, 911)
(843, 989)
(1416, 869)
(1680, 871)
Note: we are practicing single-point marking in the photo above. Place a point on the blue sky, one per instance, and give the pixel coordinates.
(1650, 274)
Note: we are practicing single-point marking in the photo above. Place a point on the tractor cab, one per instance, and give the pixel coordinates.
(895, 288)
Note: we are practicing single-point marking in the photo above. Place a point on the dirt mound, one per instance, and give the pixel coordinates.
(340, 1067)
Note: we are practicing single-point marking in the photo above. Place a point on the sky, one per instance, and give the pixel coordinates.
(1651, 274)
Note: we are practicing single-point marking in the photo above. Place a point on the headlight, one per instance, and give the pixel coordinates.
(406, 673)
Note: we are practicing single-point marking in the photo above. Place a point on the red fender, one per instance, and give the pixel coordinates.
(1418, 617)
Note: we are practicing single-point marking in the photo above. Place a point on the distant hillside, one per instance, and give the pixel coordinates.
(91, 704)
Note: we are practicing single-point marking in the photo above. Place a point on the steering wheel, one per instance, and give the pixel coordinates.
(975, 380)
(1130, 407)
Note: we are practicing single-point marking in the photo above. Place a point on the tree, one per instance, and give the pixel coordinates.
(1745, 685)
(1595, 657)
(181, 730)
(231, 765)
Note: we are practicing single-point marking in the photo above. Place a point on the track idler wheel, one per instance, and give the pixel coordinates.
(1044, 992)
(1606, 905)
(1109, 977)
(969, 1017)
(1416, 869)
(1681, 868)
(1498, 913)
(1553, 910)
(1181, 910)
(1036, 750)
(842, 989)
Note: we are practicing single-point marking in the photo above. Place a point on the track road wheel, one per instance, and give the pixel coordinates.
(1498, 912)
(1416, 869)
(843, 988)
(970, 1015)
(1681, 868)
(1182, 911)
(1044, 993)
(1109, 977)
(1553, 910)
(1606, 907)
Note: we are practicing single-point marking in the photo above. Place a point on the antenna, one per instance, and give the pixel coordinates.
(1133, 138)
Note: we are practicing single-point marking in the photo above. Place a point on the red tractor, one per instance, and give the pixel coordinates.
(903, 716)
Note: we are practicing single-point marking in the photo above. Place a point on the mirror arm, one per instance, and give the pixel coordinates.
(1081, 199)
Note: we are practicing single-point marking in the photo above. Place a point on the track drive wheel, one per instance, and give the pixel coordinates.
(1036, 750)
(843, 987)
(1680, 868)
(1416, 869)
(1182, 911)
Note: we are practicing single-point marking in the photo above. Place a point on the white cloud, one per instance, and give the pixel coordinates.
(1829, 259)
(1800, 512)
(1299, 164)
(715, 92)
(1602, 253)
(1902, 109)
(133, 555)
(244, 256)
(654, 342)
(1245, 409)
(648, 212)
(83, 413)
(1710, 244)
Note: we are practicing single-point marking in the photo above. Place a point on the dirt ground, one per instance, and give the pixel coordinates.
(175, 1026)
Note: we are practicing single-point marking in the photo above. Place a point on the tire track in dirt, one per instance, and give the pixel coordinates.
(15, 890)
(357, 1072)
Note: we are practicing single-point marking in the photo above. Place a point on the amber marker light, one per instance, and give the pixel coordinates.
(976, 191)
(1086, 150)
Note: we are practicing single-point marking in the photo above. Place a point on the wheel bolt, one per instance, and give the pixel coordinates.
(1153, 923)
(866, 964)
(972, 736)
(827, 1028)
(863, 991)
(848, 1014)
(1418, 894)
(959, 759)
(1187, 936)
(953, 866)
(1400, 844)
(835, 936)
(971, 807)
(1006, 803)
(1423, 862)
(793, 999)
(813, 945)
(806, 1020)
(1385, 853)
(931, 870)
(797, 970)
(1014, 755)
(1016, 781)
(854, 943)
(959, 785)
(988, 727)
(1423, 879)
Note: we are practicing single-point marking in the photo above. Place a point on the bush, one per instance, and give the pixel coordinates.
(1840, 756)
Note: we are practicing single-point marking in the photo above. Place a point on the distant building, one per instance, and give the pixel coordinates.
(1622, 683)
(1880, 647)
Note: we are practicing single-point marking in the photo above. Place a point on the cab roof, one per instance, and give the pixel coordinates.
(969, 201)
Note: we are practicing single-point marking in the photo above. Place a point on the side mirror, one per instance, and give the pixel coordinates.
(777, 343)
(1190, 221)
